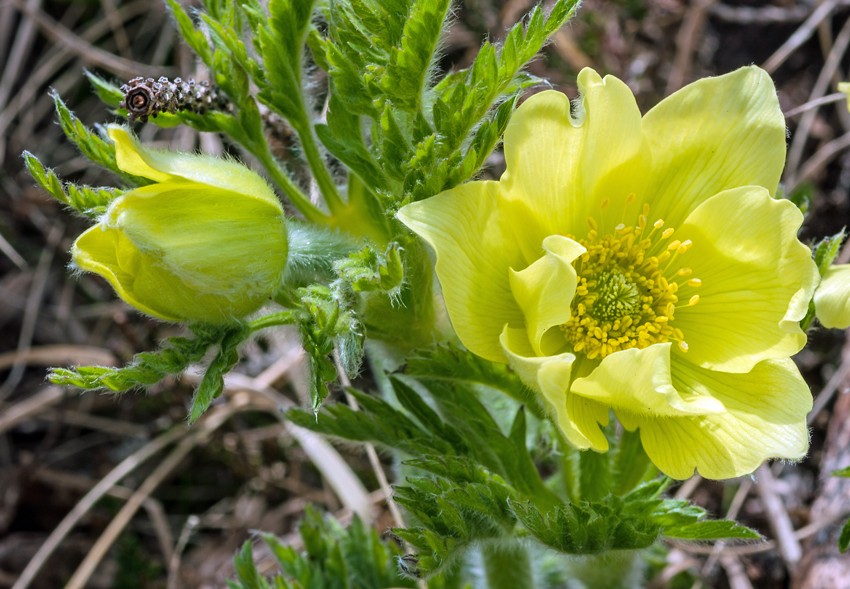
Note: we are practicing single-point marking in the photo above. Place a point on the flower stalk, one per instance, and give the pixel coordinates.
(507, 566)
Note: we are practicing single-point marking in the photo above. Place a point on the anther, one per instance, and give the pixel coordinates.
(667, 232)
(683, 345)
(684, 272)
(693, 300)
(695, 282)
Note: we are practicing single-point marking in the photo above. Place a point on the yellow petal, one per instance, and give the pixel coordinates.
(212, 239)
(544, 291)
(765, 418)
(832, 297)
(97, 250)
(475, 245)
(757, 279)
(130, 155)
(162, 166)
(142, 283)
(576, 417)
(712, 135)
(182, 252)
(639, 382)
(564, 166)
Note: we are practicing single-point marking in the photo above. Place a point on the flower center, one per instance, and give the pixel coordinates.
(629, 286)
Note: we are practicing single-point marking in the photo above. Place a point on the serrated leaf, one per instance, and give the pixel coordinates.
(595, 475)
(453, 516)
(212, 382)
(649, 491)
(631, 463)
(712, 530)
(45, 177)
(410, 62)
(146, 368)
(430, 420)
(89, 143)
(827, 249)
(471, 430)
(343, 138)
(683, 520)
(395, 147)
(246, 572)
(193, 37)
(91, 201)
(336, 558)
(844, 537)
(281, 45)
(589, 528)
(88, 200)
(496, 75)
(841, 472)
(227, 38)
(445, 362)
(376, 422)
(109, 93)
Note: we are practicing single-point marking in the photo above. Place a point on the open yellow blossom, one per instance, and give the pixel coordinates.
(640, 265)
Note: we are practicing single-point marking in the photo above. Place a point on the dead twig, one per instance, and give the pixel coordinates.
(58, 355)
(347, 487)
(83, 506)
(33, 405)
(820, 159)
(34, 301)
(689, 33)
(760, 15)
(119, 66)
(214, 419)
(795, 153)
(778, 518)
(813, 104)
(802, 34)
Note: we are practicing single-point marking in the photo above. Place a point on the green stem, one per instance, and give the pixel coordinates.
(327, 186)
(617, 569)
(507, 566)
(272, 320)
(289, 188)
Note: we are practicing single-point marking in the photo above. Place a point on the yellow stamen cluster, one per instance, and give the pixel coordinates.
(628, 289)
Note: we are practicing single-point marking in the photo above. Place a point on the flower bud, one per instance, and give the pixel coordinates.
(206, 242)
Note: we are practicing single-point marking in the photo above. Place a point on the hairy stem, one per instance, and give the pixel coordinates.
(507, 566)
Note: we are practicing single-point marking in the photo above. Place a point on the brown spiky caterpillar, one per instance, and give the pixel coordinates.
(145, 97)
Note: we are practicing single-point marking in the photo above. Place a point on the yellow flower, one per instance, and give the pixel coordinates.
(640, 265)
(832, 298)
(206, 242)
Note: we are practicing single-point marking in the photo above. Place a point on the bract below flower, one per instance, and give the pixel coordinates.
(640, 265)
(205, 243)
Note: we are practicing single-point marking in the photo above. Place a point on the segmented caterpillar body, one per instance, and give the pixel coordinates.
(146, 97)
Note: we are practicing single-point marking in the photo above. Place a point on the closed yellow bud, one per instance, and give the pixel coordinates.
(206, 242)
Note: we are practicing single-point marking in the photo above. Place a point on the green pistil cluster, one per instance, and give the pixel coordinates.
(628, 289)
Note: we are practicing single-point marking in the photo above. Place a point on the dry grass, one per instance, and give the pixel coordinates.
(117, 492)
